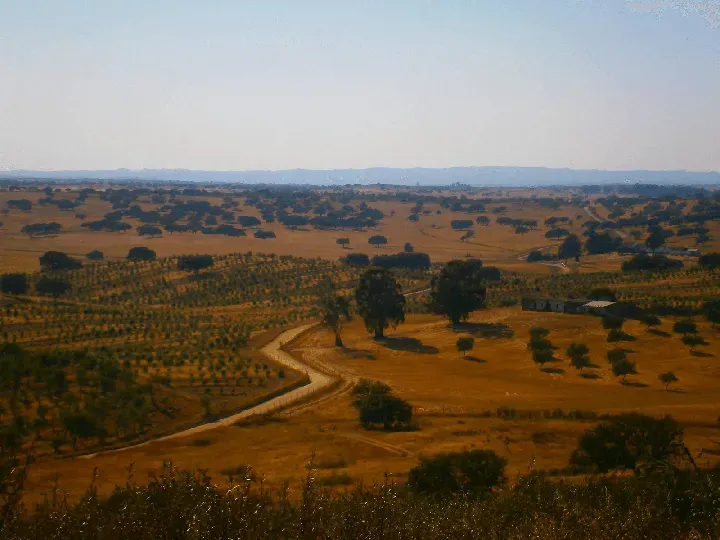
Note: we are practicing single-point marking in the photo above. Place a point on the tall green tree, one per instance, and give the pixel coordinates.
(458, 290)
(656, 238)
(376, 404)
(379, 301)
(711, 310)
(630, 441)
(57, 260)
(571, 248)
(14, 283)
(335, 311)
(195, 263)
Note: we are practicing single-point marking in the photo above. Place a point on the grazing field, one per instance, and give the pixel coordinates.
(495, 397)
(432, 233)
(137, 349)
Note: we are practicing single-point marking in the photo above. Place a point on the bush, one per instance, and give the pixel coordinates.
(471, 473)
(194, 263)
(459, 224)
(52, 287)
(414, 261)
(149, 230)
(630, 441)
(356, 259)
(14, 283)
(377, 240)
(376, 404)
(465, 344)
(57, 260)
(95, 255)
(650, 262)
(141, 253)
(710, 260)
(264, 235)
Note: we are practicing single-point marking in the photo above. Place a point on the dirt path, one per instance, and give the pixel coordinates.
(318, 381)
(379, 444)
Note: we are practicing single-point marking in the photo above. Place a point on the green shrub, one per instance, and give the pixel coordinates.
(471, 473)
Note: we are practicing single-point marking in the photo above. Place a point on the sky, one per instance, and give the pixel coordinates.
(322, 84)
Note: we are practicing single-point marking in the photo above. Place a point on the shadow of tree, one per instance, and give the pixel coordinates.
(554, 370)
(636, 384)
(359, 354)
(591, 376)
(408, 344)
(702, 354)
(623, 336)
(475, 359)
(657, 332)
(485, 330)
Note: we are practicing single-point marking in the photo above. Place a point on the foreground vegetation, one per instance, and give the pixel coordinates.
(176, 504)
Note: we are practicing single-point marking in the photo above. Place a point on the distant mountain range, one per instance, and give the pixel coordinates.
(475, 176)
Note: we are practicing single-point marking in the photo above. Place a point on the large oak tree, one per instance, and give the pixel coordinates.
(379, 300)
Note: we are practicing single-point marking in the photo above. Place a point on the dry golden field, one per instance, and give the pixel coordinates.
(432, 234)
(456, 400)
(187, 336)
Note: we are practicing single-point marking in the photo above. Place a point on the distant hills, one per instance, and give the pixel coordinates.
(475, 176)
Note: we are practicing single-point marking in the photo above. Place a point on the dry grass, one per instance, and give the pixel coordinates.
(455, 399)
(497, 244)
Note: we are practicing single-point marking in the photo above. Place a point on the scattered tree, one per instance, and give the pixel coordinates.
(632, 442)
(344, 242)
(379, 301)
(376, 404)
(651, 320)
(377, 240)
(623, 368)
(710, 260)
(465, 344)
(616, 355)
(95, 255)
(612, 323)
(335, 311)
(471, 473)
(14, 283)
(458, 290)
(656, 238)
(667, 379)
(685, 327)
(195, 263)
(408, 247)
(150, 230)
(578, 354)
(57, 260)
(52, 287)
(692, 341)
(570, 248)
(711, 310)
(141, 253)
(356, 259)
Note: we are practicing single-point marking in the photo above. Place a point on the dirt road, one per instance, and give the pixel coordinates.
(318, 381)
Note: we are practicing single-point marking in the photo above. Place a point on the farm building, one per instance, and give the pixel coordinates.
(597, 307)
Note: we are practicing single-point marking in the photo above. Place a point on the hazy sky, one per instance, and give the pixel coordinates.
(266, 84)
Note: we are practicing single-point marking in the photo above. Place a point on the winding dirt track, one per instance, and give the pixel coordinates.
(318, 381)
